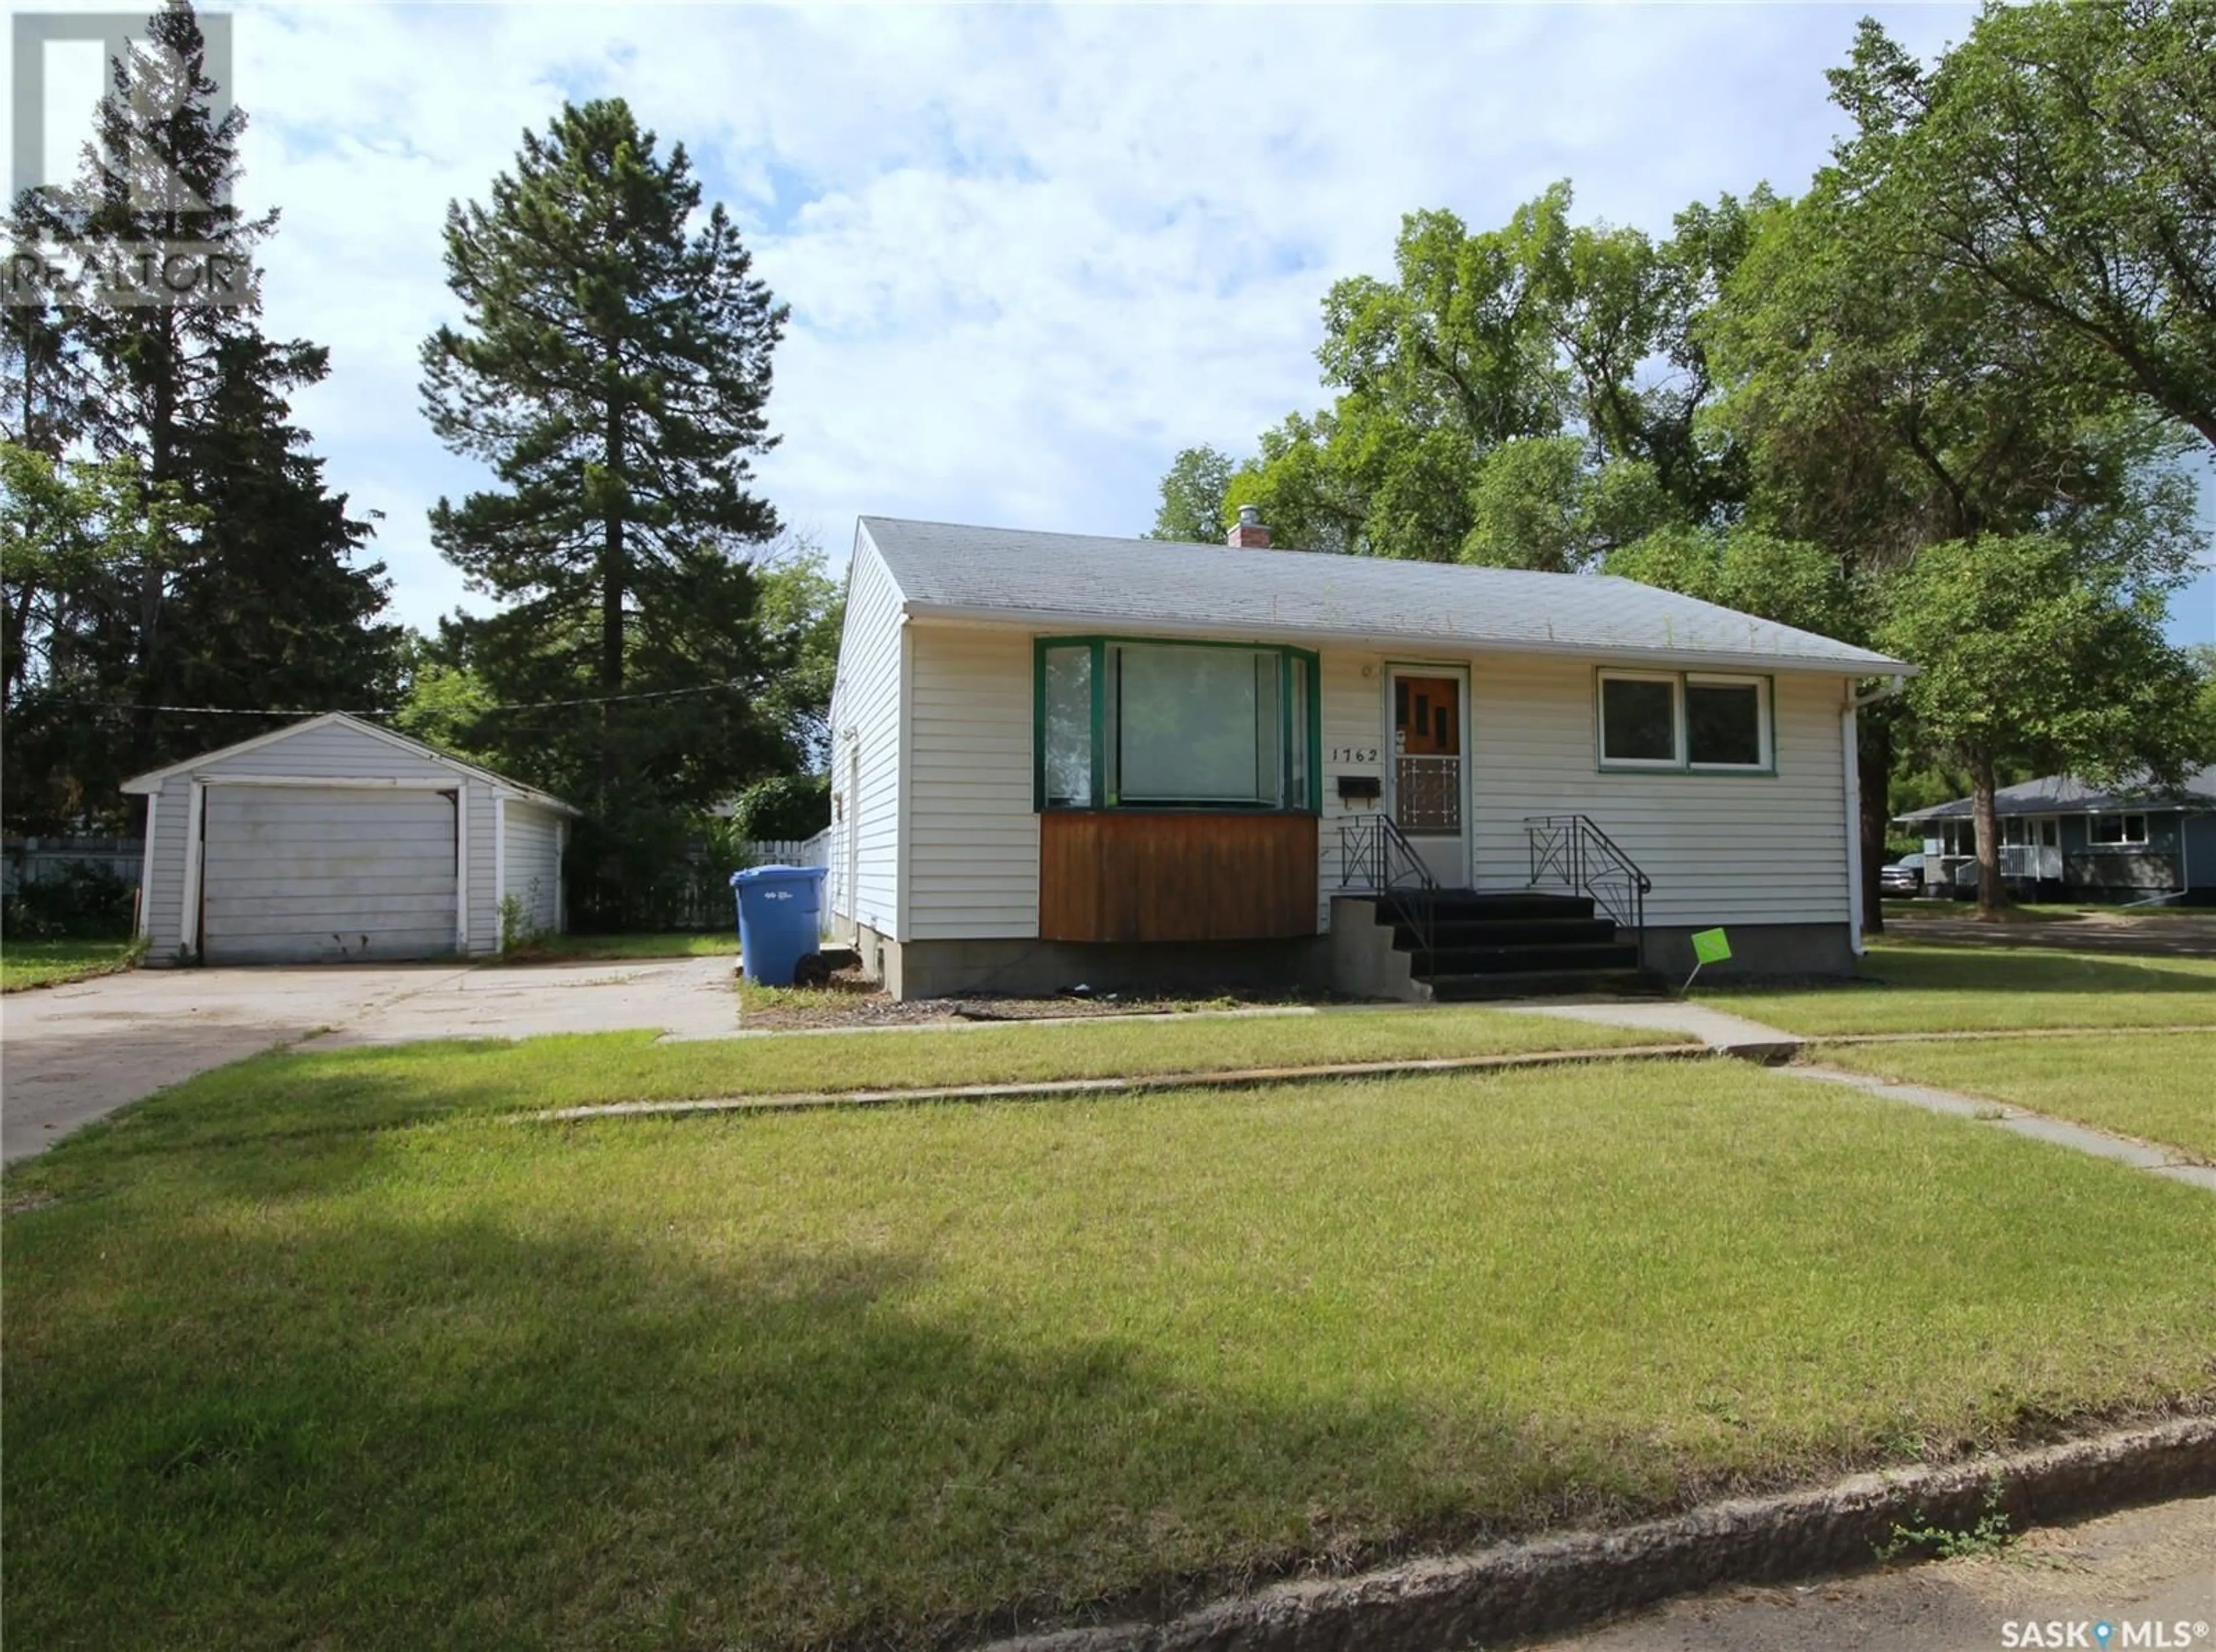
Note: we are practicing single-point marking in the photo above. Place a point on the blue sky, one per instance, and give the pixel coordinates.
(1030, 253)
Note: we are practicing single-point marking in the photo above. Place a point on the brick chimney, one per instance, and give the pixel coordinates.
(1250, 534)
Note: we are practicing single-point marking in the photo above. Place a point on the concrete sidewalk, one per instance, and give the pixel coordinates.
(2022, 1121)
(1727, 1034)
(1735, 1036)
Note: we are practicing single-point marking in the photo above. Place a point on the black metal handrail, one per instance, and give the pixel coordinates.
(1375, 855)
(1572, 849)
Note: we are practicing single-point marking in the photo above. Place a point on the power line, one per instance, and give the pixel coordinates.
(354, 711)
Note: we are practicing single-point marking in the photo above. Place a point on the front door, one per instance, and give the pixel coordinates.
(1428, 775)
(2048, 859)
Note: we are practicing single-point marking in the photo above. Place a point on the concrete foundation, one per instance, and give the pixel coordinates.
(1356, 960)
(1756, 949)
(1364, 963)
(1031, 968)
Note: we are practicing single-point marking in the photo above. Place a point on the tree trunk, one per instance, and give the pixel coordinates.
(614, 578)
(161, 468)
(1873, 760)
(1991, 897)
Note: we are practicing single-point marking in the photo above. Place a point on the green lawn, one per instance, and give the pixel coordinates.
(2041, 910)
(891, 1377)
(292, 1093)
(50, 963)
(2160, 1088)
(674, 944)
(1934, 989)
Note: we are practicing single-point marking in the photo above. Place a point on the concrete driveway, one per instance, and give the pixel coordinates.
(69, 1054)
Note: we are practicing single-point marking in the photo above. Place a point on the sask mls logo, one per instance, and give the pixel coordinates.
(160, 83)
(2106, 1634)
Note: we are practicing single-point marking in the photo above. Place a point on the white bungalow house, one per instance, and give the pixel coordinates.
(1061, 759)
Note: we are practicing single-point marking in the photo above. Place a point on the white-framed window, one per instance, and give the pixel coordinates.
(1639, 720)
(1706, 722)
(1728, 722)
(1133, 722)
(2117, 830)
(1958, 836)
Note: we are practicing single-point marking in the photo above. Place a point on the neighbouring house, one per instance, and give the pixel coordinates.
(1059, 760)
(333, 839)
(2062, 839)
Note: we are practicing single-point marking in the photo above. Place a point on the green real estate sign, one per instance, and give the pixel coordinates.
(1710, 947)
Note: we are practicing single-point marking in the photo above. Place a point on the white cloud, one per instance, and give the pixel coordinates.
(1030, 253)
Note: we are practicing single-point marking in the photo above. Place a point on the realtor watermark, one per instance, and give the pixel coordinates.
(2106, 1634)
(120, 274)
(74, 255)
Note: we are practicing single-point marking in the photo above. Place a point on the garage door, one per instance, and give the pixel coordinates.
(301, 874)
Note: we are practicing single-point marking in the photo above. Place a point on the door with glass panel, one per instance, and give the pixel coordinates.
(1428, 778)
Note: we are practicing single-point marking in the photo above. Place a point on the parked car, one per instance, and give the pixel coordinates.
(1904, 877)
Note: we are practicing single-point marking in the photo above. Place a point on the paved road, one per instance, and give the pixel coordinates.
(2145, 1566)
(69, 1054)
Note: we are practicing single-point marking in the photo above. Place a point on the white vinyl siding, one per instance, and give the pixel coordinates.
(533, 865)
(1721, 848)
(865, 749)
(973, 858)
(164, 892)
(1354, 743)
(306, 874)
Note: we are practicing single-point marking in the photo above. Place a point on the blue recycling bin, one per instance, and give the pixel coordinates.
(778, 919)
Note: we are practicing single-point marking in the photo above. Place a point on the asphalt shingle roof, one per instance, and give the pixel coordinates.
(1078, 581)
(2060, 794)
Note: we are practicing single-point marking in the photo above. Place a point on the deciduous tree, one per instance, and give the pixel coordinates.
(2062, 159)
(2034, 647)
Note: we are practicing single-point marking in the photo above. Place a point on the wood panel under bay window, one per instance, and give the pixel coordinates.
(1126, 874)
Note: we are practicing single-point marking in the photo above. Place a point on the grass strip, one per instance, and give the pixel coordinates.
(570, 949)
(1934, 989)
(1048, 1090)
(27, 964)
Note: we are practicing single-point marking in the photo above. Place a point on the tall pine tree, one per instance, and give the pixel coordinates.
(612, 369)
(259, 607)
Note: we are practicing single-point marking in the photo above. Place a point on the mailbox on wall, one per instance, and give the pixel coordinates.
(1360, 788)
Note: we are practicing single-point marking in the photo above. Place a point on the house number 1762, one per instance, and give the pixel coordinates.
(1354, 754)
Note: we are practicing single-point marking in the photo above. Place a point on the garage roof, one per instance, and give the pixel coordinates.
(1073, 581)
(151, 781)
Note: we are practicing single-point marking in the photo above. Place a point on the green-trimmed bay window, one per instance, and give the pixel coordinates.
(1131, 722)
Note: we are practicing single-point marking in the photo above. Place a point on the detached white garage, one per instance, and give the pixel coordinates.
(336, 841)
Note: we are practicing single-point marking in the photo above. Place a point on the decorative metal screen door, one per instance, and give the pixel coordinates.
(1428, 763)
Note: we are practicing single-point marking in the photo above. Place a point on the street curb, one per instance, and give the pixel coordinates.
(1519, 1591)
(1051, 1089)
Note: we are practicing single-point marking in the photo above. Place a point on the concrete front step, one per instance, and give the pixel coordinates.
(1542, 984)
(1448, 934)
(1468, 905)
(1524, 960)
